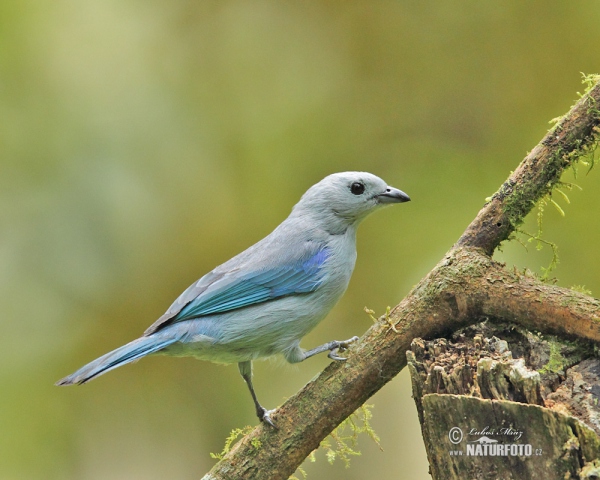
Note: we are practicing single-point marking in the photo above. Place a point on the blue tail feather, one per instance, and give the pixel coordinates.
(121, 356)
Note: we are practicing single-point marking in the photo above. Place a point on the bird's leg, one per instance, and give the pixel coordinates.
(262, 413)
(334, 348)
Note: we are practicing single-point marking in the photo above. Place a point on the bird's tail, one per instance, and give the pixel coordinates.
(121, 356)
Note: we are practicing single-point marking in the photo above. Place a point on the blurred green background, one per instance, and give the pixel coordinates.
(144, 143)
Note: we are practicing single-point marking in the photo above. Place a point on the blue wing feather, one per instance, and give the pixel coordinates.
(257, 287)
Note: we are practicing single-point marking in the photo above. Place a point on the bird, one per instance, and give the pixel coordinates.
(263, 301)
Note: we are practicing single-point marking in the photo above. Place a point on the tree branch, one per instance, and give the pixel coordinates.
(575, 134)
(464, 287)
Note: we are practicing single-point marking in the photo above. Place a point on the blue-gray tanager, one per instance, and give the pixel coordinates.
(264, 300)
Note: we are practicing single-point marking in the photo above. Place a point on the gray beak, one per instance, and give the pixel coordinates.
(393, 195)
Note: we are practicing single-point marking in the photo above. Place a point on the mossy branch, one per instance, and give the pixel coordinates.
(575, 135)
(466, 286)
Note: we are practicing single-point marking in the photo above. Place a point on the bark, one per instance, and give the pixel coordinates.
(496, 401)
(464, 287)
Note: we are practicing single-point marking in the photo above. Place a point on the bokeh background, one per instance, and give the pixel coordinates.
(142, 143)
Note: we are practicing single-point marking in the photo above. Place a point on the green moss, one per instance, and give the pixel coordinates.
(590, 80)
(518, 199)
(556, 362)
(230, 440)
(342, 442)
(301, 472)
(564, 354)
(256, 443)
(590, 470)
(386, 317)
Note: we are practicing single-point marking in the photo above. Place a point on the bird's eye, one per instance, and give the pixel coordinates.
(357, 188)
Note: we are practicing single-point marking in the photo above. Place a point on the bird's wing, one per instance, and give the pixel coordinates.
(219, 292)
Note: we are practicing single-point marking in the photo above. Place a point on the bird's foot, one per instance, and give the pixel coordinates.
(264, 416)
(338, 347)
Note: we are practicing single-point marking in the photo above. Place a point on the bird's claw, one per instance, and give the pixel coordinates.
(265, 417)
(340, 347)
(334, 356)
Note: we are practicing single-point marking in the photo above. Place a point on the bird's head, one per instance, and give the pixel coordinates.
(344, 199)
